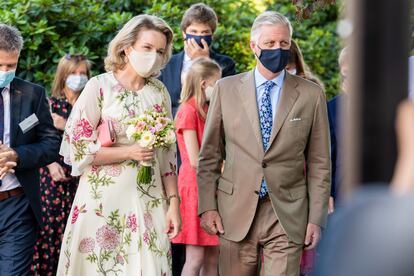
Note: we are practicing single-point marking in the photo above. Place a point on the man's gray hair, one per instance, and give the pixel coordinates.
(10, 38)
(268, 18)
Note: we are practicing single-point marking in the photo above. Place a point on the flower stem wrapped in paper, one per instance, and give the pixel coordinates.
(152, 129)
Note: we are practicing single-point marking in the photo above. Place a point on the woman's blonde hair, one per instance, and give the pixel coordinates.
(128, 35)
(201, 69)
(66, 66)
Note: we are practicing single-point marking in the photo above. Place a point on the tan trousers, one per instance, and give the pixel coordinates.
(281, 256)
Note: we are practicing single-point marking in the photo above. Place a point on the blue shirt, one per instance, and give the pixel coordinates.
(274, 93)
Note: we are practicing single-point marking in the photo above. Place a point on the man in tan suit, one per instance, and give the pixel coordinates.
(272, 129)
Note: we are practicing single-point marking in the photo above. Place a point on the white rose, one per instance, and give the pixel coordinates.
(147, 139)
(170, 137)
(130, 131)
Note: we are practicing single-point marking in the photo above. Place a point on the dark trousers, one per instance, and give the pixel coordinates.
(17, 236)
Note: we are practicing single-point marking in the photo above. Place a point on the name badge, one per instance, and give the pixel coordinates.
(29, 123)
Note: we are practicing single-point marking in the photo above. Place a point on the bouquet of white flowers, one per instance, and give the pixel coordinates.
(152, 129)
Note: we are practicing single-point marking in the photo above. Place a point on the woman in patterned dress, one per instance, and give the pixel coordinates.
(57, 187)
(118, 226)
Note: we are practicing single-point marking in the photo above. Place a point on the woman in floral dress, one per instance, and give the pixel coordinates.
(118, 226)
(57, 187)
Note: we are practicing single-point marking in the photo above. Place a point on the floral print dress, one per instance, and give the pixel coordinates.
(116, 226)
(56, 202)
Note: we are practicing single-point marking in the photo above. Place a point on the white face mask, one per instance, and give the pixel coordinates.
(76, 82)
(292, 71)
(146, 64)
(209, 92)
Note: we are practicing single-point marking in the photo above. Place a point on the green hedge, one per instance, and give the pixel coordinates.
(52, 28)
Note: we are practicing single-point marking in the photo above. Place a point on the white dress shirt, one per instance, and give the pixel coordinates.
(187, 62)
(9, 180)
(274, 93)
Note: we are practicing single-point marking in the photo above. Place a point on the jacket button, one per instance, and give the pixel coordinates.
(264, 165)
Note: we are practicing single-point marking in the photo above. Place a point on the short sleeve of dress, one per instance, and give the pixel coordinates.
(167, 157)
(79, 144)
(186, 118)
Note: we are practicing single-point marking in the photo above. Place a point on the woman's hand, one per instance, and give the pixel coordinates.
(137, 153)
(57, 173)
(173, 219)
(58, 121)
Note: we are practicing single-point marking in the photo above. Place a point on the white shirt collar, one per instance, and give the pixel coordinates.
(260, 79)
(6, 88)
(186, 57)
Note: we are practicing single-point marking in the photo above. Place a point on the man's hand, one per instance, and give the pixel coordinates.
(211, 222)
(193, 50)
(313, 235)
(7, 154)
(8, 168)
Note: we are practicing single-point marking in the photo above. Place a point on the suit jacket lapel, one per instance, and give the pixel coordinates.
(248, 95)
(288, 98)
(15, 102)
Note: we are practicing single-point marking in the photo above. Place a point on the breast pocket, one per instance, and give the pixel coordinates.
(297, 129)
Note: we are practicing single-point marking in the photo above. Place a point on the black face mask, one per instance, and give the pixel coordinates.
(274, 60)
(207, 38)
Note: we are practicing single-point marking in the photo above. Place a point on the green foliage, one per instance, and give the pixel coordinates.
(233, 32)
(52, 28)
(315, 32)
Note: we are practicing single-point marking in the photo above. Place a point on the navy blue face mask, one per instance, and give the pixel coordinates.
(198, 38)
(274, 60)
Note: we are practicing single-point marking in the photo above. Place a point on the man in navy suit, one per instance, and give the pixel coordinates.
(198, 25)
(28, 142)
(334, 112)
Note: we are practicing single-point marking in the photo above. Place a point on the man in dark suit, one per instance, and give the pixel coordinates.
(28, 142)
(198, 25)
(334, 113)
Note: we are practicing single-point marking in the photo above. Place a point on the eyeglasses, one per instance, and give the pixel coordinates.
(76, 58)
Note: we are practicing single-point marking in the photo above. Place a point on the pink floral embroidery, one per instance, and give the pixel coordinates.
(76, 212)
(148, 220)
(107, 237)
(120, 259)
(87, 245)
(146, 237)
(118, 87)
(112, 170)
(94, 169)
(82, 129)
(158, 108)
(131, 113)
(131, 222)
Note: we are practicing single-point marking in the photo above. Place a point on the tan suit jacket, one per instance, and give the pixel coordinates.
(300, 137)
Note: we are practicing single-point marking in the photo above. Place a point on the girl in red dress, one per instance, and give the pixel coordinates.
(201, 248)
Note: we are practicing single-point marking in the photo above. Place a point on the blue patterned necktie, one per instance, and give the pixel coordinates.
(266, 123)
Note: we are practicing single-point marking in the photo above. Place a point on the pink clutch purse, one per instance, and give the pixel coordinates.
(106, 133)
